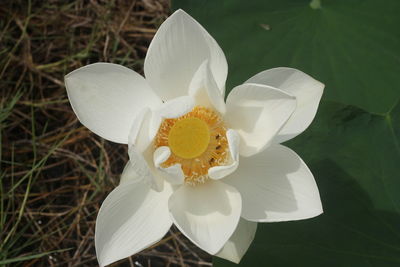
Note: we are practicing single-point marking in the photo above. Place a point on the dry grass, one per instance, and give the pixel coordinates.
(54, 173)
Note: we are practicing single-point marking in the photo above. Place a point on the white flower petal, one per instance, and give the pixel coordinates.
(207, 214)
(257, 112)
(276, 185)
(129, 174)
(144, 129)
(140, 148)
(177, 50)
(176, 107)
(205, 90)
(239, 242)
(161, 154)
(219, 172)
(106, 98)
(139, 133)
(172, 174)
(307, 91)
(142, 164)
(131, 218)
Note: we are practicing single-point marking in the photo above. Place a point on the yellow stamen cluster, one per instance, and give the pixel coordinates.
(197, 141)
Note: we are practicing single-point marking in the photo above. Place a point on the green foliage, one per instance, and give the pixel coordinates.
(354, 156)
(350, 45)
(354, 152)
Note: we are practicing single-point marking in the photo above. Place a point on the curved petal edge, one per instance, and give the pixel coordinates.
(106, 98)
(207, 214)
(257, 112)
(307, 91)
(239, 242)
(131, 218)
(276, 185)
(177, 50)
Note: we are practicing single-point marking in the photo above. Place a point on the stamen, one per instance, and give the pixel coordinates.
(192, 146)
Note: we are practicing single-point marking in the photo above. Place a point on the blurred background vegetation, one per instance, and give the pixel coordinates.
(54, 173)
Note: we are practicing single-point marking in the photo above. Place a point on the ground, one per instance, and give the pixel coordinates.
(55, 173)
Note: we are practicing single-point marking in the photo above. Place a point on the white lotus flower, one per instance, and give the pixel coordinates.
(213, 169)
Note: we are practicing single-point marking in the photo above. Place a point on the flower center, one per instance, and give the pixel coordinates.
(189, 138)
(197, 141)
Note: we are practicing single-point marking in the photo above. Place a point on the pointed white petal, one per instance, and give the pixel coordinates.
(204, 89)
(140, 148)
(146, 162)
(219, 172)
(257, 112)
(307, 91)
(176, 107)
(142, 164)
(131, 218)
(177, 50)
(239, 242)
(129, 174)
(139, 134)
(207, 214)
(276, 185)
(161, 154)
(172, 174)
(106, 98)
(144, 129)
